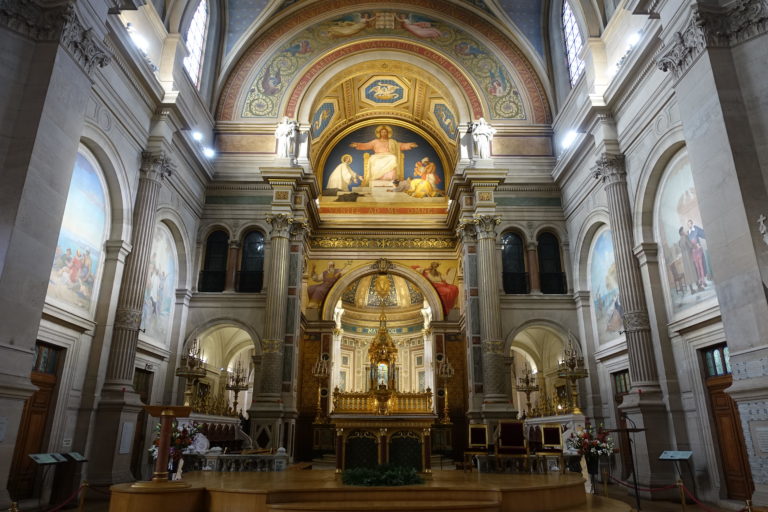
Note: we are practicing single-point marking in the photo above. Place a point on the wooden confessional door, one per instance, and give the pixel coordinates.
(142, 384)
(32, 430)
(738, 478)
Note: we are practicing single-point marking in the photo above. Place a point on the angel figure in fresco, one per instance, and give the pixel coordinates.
(443, 283)
(348, 26)
(384, 91)
(422, 29)
(384, 162)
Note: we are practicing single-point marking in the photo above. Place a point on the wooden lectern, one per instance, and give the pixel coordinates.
(166, 413)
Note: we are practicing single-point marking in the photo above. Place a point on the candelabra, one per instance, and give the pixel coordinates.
(445, 372)
(192, 369)
(527, 384)
(238, 382)
(320, 371)
(571, 369)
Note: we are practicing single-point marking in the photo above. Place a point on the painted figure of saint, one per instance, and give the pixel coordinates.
(425, 184)
(383, 164)
(343, 175)
(443, 284)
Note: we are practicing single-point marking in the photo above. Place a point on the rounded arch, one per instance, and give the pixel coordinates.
(175, 224)
(430, 294)
(118, 184)
(513, 227)
(542, 323)
(241, 232)
(531, 80)
(662, 153)
(596, 220)
(557, 230)
(204, 231)
(223, 321)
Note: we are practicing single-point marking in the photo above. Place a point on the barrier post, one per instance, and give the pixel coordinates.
(81, 501)
(14, 507)
(748, 508)
(605, 482)
(682, 494)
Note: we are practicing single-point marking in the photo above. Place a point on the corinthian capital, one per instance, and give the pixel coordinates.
(466, 232)
(299, 229)
(156, 164)
(281, 225)
(609, 168)
(81, 43)
(486, 226)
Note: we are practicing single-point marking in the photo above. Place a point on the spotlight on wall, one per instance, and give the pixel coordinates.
(139, 40)
(569, 138)
(208, 152)
(634, 38)
(197, 136)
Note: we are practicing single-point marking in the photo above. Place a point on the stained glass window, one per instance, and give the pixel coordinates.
(573, 43)
(196, 35)
(718, 361)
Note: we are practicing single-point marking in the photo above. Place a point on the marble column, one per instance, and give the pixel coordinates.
(644, 405)
(494, 368)
(533, 266)
(267, 409)
(49, 57)
(119, 405)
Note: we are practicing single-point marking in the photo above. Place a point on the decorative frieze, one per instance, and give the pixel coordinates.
(367, 242)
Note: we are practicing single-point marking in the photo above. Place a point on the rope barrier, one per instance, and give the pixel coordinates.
(644, 489)
(70, 498)
(702, 505)
(95, 489)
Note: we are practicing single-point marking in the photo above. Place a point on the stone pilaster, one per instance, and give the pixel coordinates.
(50, 54)
(233, 260)
(644, 405)
(719, 97)
(533, 266)
(468, 235)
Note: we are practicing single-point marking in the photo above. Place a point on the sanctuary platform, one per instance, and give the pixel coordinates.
(322, 491)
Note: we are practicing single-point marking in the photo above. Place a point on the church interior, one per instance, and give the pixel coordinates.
(320, 235)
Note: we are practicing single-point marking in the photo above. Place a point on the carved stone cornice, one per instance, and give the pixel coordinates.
(368, 242)
(61, 23)
(156, 165)
(281, 225)
(485, 225)
(609, 168)
(636, 321)
(710, 29)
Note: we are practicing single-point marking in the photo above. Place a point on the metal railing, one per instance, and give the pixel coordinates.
(553, 282)
(516, 282)
(250, 281)
(212, 280)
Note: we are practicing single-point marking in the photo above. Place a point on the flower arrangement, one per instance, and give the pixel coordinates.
(590, 443)
(182, 436)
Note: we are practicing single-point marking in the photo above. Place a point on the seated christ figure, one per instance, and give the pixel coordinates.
(383, 164)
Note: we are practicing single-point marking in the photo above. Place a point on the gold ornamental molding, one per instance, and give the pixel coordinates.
(350, 242)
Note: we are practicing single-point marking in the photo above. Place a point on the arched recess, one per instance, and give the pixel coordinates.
(542, 323)
(596, 220)
(530, 83)
(175, 224)
(397, 269)
(217, 323)
(665, 149)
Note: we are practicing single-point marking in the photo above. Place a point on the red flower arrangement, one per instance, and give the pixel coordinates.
(181, 438)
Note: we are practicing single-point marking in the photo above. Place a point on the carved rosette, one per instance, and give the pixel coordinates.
(156, 165)
(128, 319)
(609, 168)
(271, 346)
(636, 321)
(281, 225)
(485, 226)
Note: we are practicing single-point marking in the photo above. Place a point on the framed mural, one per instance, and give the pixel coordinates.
(683, 239)
(604, 288)
(383, 165)
(78, 261)
(160, 290)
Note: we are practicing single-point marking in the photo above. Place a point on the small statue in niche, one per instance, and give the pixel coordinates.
(482, 134)
(287, 134)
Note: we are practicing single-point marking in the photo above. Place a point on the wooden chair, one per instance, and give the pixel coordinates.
(552, 444)
(511, 444)
(477, 445)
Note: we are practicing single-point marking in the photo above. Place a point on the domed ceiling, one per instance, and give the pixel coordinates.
(366, 298)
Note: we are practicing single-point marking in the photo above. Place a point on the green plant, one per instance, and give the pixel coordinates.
(385, 475)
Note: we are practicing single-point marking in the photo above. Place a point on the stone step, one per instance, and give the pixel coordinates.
(398, 506)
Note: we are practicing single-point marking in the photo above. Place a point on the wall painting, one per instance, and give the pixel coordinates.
(160, 291)
(78, 259)
(604, 287)
(685, 256)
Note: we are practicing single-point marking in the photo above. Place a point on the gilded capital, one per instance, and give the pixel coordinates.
(609, 168)
(271, 346)
(299, 229)
(466, 232)
(485, 225)
(281, 225)
(494, 347)
(156, 164)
